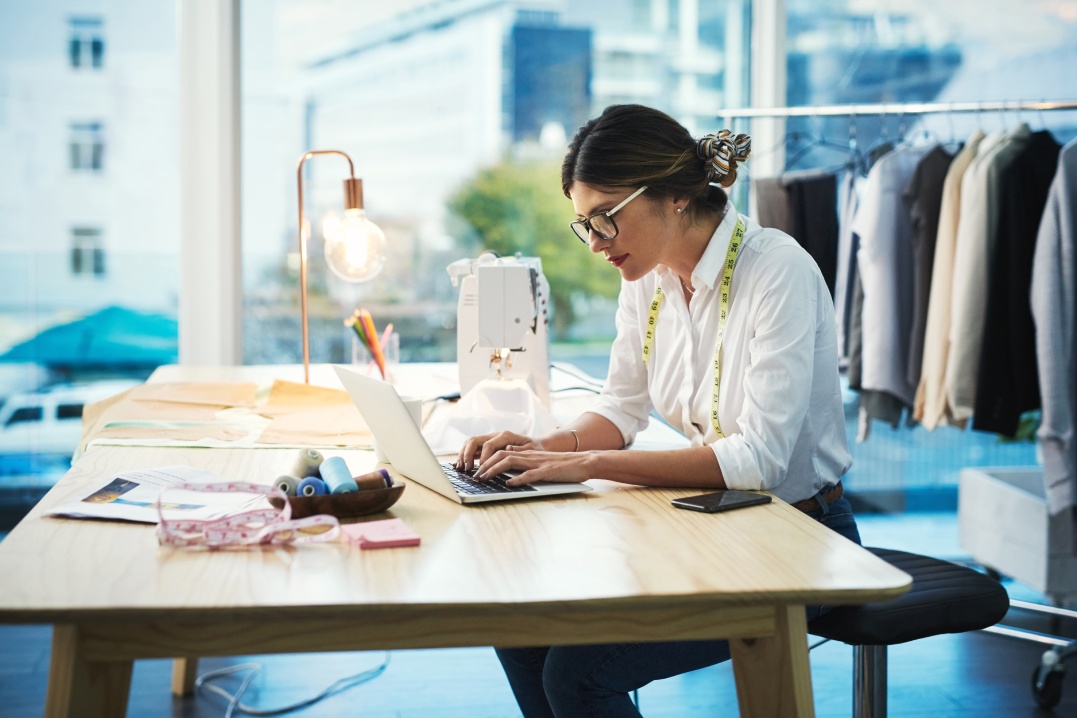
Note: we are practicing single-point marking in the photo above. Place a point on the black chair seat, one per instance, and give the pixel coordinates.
(944, 598)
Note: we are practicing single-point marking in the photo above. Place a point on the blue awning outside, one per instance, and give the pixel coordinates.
(111, 337)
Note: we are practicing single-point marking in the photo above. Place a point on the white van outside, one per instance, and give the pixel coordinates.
(45, 426)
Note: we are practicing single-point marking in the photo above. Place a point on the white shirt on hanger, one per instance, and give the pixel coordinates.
(930, 407)
(885, 264)
(780, 405)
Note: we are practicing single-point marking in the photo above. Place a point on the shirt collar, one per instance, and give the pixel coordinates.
(708, 269)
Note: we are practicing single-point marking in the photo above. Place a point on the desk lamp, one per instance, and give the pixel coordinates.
(354, 250)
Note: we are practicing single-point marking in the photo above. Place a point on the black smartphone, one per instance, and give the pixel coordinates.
(725, 500)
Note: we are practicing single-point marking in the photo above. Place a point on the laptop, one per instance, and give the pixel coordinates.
(402, 442)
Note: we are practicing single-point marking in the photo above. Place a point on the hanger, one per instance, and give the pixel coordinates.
(818, 140)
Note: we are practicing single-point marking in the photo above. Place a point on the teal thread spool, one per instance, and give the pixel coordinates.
(308, 463)
(288, 484)
(311, 486)
(338, 479)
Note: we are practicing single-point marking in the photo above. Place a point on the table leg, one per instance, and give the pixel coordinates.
(772, 674)
(81, 688)
(184, 673)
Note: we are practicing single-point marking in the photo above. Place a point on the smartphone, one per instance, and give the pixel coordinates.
(725, 500)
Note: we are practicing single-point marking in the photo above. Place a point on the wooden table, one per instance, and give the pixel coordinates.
(616, 564)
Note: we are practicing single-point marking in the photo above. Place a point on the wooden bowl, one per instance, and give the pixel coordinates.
(353, 503)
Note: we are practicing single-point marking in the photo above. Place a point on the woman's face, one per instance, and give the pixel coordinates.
(643, 229)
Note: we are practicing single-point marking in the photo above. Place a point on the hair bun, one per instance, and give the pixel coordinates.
(720, 149)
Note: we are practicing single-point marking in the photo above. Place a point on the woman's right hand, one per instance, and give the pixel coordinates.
(478, 449)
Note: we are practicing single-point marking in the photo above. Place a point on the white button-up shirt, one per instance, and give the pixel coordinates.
(780, 404)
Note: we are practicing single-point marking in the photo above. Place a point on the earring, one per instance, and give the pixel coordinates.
(680, 209)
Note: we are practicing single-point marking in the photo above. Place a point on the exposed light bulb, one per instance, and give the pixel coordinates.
(355, 251)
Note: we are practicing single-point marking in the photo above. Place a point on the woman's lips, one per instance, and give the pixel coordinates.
(618, 261)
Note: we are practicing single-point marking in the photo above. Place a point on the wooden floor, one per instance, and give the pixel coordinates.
(971, 675)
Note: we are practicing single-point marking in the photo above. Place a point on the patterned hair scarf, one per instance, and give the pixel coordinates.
(718, 149)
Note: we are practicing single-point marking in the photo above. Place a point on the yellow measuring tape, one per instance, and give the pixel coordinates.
(723, 314)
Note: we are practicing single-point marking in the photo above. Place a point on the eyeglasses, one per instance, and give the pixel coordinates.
(602, 223)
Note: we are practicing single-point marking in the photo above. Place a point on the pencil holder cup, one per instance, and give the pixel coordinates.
(364, 361)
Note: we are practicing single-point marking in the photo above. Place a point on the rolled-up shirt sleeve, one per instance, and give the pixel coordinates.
(625, 400)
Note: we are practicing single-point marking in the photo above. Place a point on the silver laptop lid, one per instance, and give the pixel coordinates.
(398, 436)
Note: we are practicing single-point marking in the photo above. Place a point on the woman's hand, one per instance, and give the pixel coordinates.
(537, 465)
(483, 447)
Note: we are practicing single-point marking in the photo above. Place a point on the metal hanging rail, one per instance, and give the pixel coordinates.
(900, 108)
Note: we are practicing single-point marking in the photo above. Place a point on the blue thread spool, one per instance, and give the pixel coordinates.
(311, 486)
(338, 479)
(379, 479)
(307, 464)
(288, 484)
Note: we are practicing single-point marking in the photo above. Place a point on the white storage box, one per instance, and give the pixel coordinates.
(1004, 525)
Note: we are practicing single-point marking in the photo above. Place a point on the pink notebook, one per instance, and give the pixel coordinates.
(388, 533)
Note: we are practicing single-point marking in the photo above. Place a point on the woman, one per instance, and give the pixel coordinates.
(703, 287)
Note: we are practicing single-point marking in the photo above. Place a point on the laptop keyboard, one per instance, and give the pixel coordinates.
(467, 484)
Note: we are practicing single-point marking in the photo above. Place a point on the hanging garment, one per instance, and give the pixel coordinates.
(813, 204)
(885, 266)
(1054, 309)
(770, 204)
(976, 237)
(924, 197)
(930, 407)
(1007, 383)
(848, 244)
(803, 204)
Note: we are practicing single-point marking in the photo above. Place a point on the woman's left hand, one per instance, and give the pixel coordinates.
(552, 466)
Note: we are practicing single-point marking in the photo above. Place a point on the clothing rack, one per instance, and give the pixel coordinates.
(1047, 676)
(900, 108)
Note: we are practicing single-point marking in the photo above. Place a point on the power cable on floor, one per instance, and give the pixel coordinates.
(233, 699)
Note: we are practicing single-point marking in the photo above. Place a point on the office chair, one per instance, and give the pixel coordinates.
(944, 598)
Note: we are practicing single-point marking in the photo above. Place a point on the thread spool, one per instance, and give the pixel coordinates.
(338, 479)
(288, 484)
(308, 463)
(379, 479)
(311, 486)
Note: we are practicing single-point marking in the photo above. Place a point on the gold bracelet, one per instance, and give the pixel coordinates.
(577, 437)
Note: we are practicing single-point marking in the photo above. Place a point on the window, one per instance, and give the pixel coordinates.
(509, 88)
(25, 414)
(86, 43)
(69, 411)
(87, 251)
(87, 146)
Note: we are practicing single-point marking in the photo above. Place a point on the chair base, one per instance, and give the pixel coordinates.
(869, 681)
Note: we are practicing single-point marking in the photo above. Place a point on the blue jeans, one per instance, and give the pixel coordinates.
(595, 681)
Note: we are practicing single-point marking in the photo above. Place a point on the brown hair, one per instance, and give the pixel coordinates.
(631, 146)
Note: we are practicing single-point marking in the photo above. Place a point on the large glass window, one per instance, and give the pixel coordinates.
(457, 118)
(456, 114)
(89, 141)
(871, 51)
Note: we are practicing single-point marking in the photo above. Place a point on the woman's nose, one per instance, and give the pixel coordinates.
(596, 242)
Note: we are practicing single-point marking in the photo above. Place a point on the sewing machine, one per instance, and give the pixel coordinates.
(501, 324)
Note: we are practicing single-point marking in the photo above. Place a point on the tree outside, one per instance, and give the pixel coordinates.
(517, 206)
